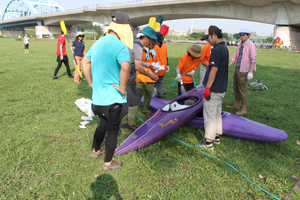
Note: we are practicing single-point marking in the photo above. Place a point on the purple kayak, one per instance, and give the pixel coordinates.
(165, 120)
(235, 126)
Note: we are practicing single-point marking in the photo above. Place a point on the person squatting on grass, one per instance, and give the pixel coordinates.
(206, 51)
(26, 43)
(62, 55)
(162, 56)
(186, 68)
(215, 82)
(79, 51)
(136, 55)
(245, 58)
(108, 60)
(145, 84)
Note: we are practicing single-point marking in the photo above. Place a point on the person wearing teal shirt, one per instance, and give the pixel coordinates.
(106, 67)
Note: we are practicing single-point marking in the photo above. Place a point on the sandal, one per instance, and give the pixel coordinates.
(133, 127)
(96, 155)
(54, 77)
(113, 165)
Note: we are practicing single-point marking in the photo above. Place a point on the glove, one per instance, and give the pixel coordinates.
(168, 69)
(249, 76)
(178, 77)
(207, 93)
(191, 73)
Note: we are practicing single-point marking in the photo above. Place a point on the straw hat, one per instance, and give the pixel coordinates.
(79, 33)
(195, 51)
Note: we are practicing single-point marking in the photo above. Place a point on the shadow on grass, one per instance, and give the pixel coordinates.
(104, 188)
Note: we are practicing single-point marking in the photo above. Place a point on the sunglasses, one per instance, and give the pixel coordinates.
(242, 34)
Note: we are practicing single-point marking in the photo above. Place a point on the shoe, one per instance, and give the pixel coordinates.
(243, 111)
(236, 105)
(147, 113)
(96, 155)
(113, 165)
(71, 76)
(204, 145)
(217, 140)
(133, 127)
(54, 77)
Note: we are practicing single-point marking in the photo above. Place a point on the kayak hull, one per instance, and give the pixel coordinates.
(235, 126)
(163, 121)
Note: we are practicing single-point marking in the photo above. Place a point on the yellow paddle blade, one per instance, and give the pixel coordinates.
(156, 26)
(63, 27)
(79, 72)
(152, 21)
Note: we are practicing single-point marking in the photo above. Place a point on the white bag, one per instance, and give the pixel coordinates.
(85, 105)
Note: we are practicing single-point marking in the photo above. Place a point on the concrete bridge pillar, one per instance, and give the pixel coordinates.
(289, 35)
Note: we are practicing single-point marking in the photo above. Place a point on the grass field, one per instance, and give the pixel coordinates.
(45, 155)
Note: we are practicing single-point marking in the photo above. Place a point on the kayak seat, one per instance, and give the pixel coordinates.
(176, 106)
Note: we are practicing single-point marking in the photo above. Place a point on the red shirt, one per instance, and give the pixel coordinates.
(61, 41)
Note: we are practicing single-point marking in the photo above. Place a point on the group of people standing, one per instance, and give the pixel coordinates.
(123, 72)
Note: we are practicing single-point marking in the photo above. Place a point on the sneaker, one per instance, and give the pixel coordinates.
(204, 145)
(113, 165)
(133, 127)
(96, 155)
(124, 125)
(217, 140)
(71, 76)
(54, 77)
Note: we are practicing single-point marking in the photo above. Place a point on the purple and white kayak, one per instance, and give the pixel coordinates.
(235, 126)
(165, 120)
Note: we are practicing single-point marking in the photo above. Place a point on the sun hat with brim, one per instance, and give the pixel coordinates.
(195, 51)
(121, 25)
(244, 31)
(212, 29)
(79, 33)
(150, 32)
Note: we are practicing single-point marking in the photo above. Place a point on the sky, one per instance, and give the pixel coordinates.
(227, 25)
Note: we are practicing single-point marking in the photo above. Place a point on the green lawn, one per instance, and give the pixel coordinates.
(45, 155)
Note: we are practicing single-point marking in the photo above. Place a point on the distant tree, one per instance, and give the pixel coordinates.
(269, 39)
(84, 26)
(225, 36)
(236, 36)
(98, 30)
(196, 35)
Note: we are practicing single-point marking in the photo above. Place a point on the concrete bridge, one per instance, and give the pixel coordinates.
(283, 13)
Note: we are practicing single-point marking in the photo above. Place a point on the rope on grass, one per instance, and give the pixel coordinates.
(223, 162)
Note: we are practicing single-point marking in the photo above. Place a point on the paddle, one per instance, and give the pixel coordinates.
(156, 26)
(64, 29)
(152, 21)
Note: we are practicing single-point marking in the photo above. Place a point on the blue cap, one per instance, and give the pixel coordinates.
(150, 32)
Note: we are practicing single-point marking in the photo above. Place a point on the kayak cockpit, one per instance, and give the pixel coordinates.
(180, 104)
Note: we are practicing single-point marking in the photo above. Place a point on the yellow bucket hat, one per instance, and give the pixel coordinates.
(121, 25)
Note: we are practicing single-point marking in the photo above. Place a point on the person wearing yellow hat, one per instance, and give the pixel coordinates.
(133, 98)
(186, 68)
(108, 60)
(145, 84)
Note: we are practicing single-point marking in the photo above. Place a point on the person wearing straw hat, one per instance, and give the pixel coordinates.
(215, 82)
(245, 58)
(79, 51)
(144, 39)
(186, 68)
(106, 67)
(145, 84)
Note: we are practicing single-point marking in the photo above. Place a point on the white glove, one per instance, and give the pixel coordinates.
(168, 69)
(249, 76)
(178, 77)
(191, 73)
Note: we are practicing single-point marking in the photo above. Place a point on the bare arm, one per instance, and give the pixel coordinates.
(86, 65)
(204, 63)
(61, 52)
(230, 63)
(212, 76)
(252, 67)
(124, 75)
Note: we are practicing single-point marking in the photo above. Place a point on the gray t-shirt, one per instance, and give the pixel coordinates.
(239, 60)
(135, 54)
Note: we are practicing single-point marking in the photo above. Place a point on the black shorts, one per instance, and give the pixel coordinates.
(26, 46)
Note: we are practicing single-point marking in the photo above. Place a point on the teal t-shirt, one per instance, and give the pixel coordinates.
(106, 56)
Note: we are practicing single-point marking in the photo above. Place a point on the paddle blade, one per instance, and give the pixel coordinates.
(156, 26)
(160, 19)
(152, 21)
(63, 27)
(164, 29)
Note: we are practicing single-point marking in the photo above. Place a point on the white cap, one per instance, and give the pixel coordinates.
(244, 31)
